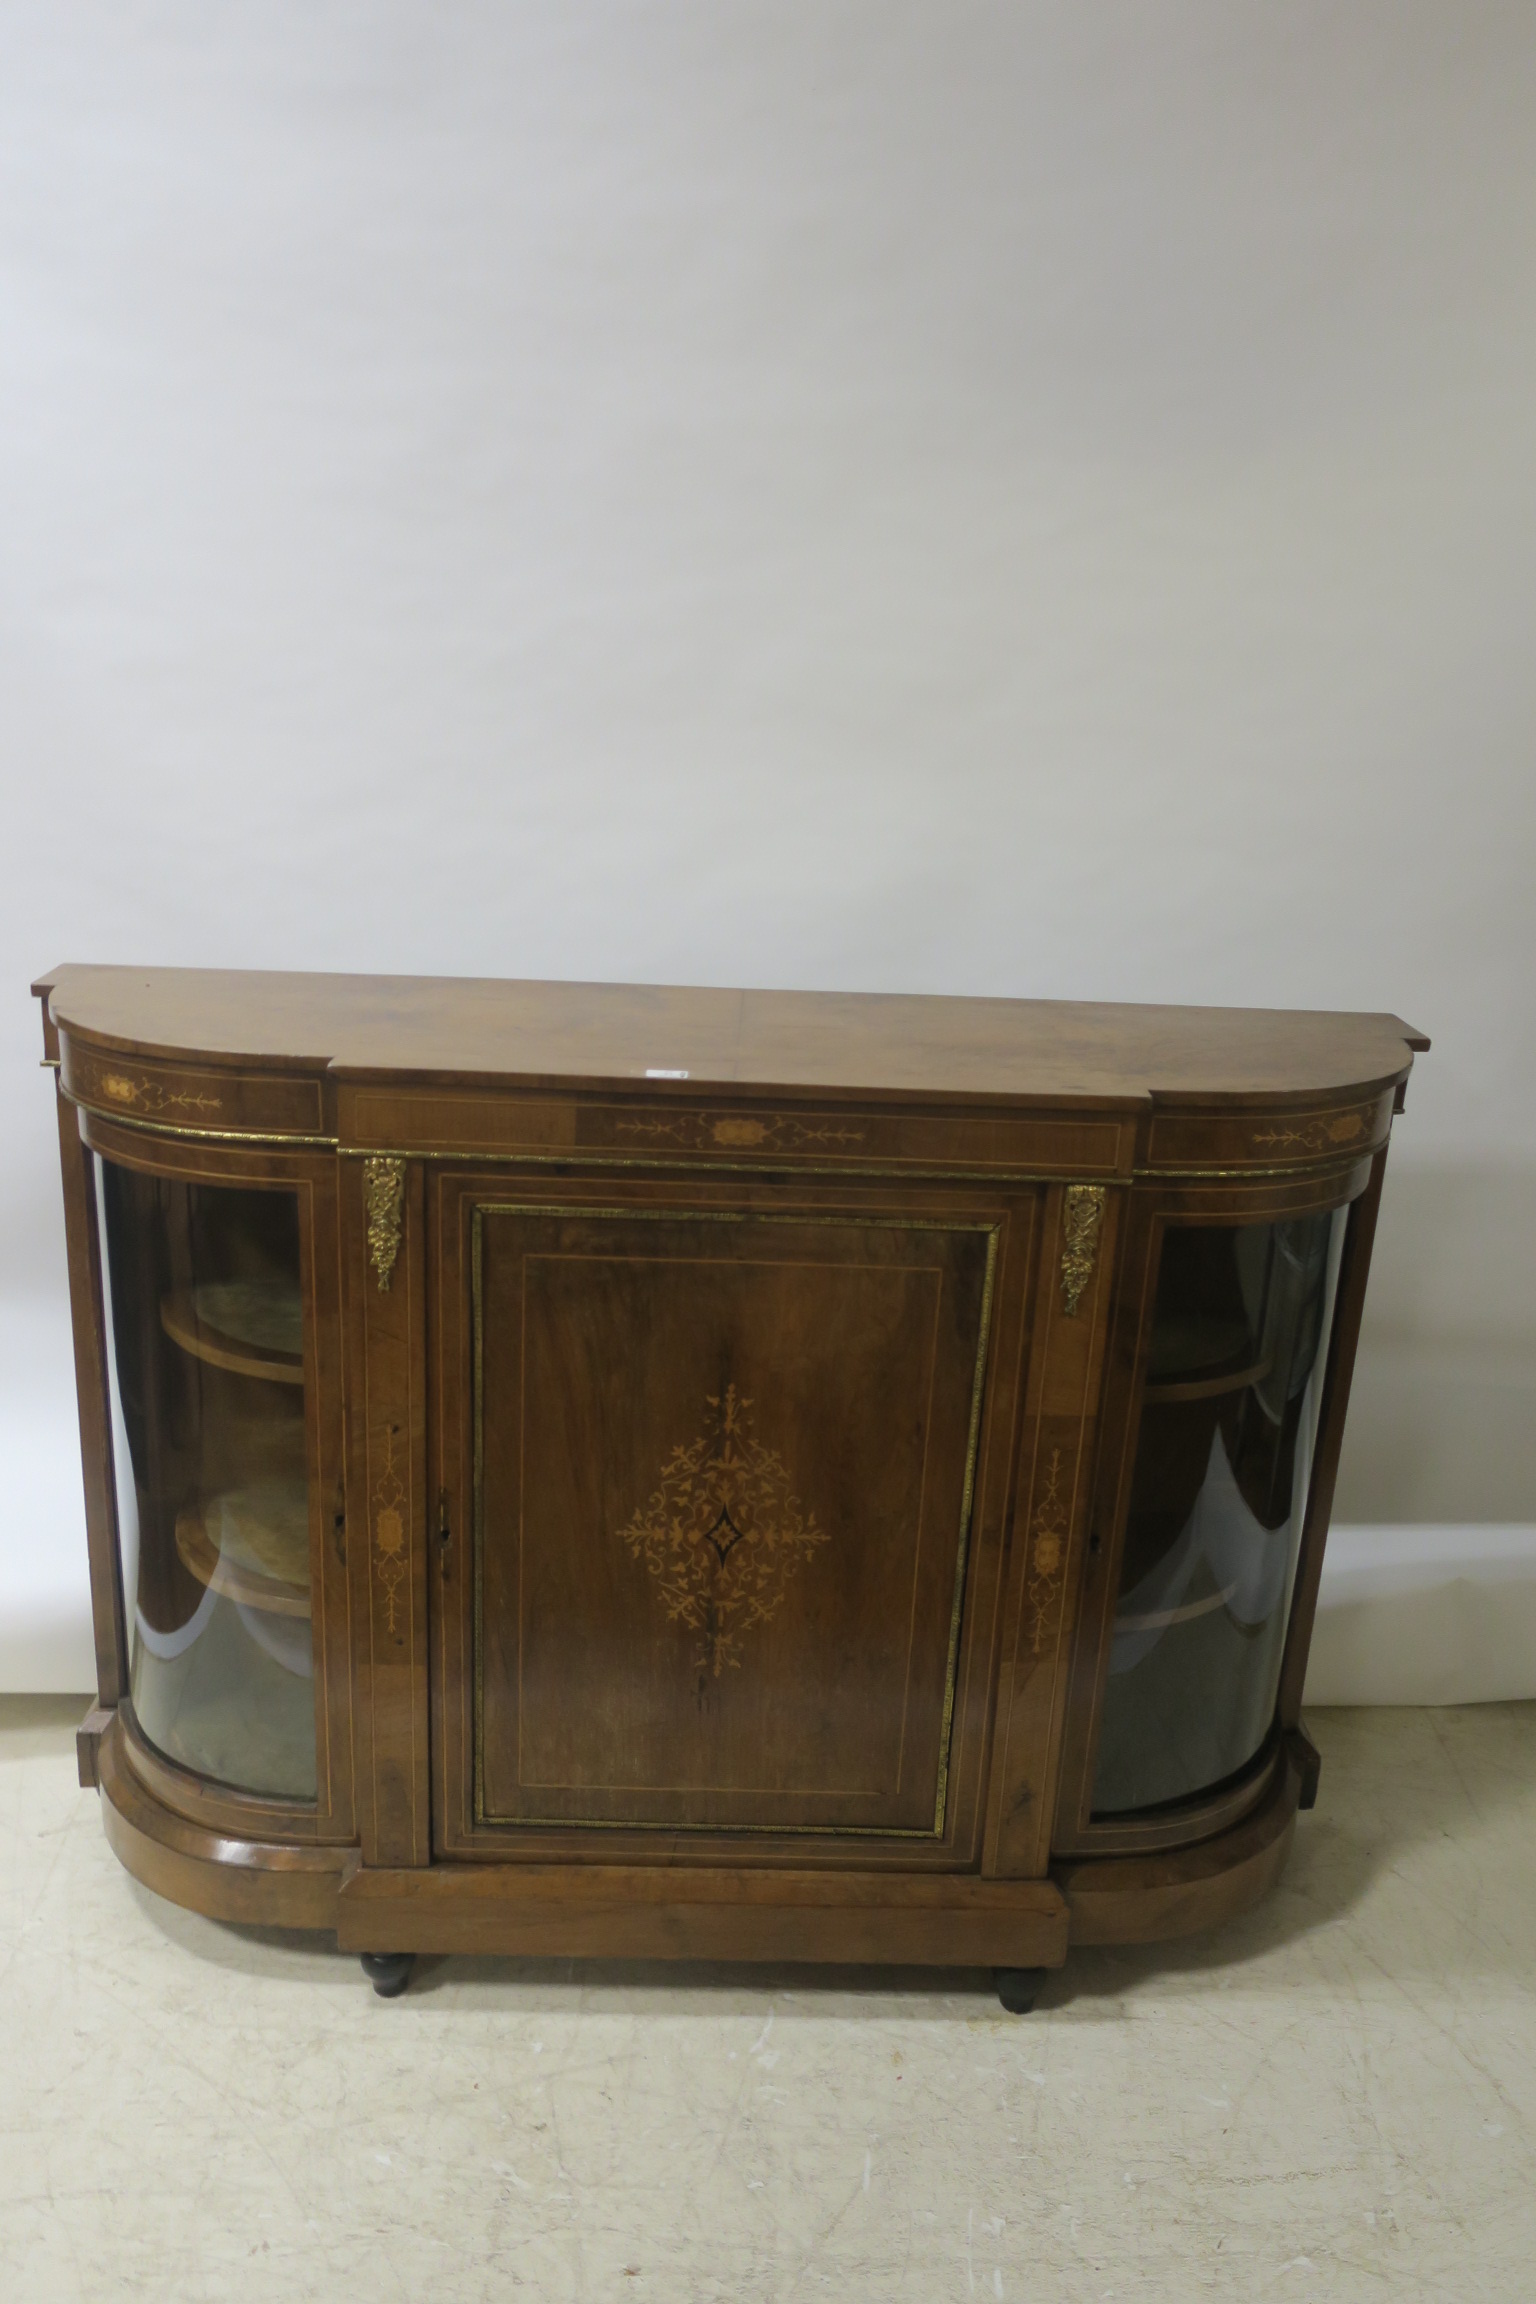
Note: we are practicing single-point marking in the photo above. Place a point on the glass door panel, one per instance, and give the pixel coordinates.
(205, 1319)
(1219, 1490)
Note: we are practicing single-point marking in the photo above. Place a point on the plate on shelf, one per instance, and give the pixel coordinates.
(252, 1544)
(254, 1327)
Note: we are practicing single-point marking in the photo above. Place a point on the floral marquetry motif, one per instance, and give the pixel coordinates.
(742, 1132)
(149, 1096)
(390, 1550)
(724, 1533)
(1047, 1557)
(1314, 1135)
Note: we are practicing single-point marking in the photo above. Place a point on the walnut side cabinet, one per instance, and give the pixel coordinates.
(660, 1473)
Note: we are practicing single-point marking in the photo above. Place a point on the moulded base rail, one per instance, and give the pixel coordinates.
(1021, 1929)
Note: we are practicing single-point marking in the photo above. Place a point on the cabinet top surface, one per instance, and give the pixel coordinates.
(882, 1043)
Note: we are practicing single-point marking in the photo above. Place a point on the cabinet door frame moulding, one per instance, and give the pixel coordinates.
(82, 1237)
(454, 1193)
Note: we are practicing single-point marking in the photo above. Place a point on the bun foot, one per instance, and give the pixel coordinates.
(388, 1972)
(1017, 1988)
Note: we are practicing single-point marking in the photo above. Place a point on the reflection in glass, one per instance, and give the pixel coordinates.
(1219, 1490)
(205, 1316)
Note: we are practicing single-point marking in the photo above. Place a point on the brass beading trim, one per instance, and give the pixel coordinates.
(650, 1164)
(1304, 1171)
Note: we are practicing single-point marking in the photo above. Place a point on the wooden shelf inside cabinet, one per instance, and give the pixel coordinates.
(251, 1327)
(1163, 1619)
(1209, 1387)
(280, 1540)
(1198, 1356)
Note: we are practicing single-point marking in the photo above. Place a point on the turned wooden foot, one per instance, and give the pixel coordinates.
(1017, 1988)
(388, 1972)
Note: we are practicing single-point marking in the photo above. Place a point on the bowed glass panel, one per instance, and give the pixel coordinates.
(206, 1367)
(1218, 1495)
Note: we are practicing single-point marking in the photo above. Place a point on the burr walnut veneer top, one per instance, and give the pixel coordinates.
(872, 1044)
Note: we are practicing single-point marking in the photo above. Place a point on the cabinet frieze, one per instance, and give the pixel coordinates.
(193, 1100)
(440, 1123)
(1236, 1142)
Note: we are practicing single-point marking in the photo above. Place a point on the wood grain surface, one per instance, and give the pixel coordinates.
(869, 1042)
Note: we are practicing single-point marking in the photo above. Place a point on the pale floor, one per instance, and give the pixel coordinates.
(1334, 2098)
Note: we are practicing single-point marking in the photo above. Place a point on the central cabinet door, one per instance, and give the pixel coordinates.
(720, 1463)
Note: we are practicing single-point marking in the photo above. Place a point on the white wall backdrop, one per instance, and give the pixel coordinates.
(1018, 499)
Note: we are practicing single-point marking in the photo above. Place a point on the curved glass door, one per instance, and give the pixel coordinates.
(1218, 1494)
(206, 1366)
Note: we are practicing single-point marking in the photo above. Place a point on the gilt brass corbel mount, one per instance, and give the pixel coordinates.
(1082, 1220)
(384, 1195)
